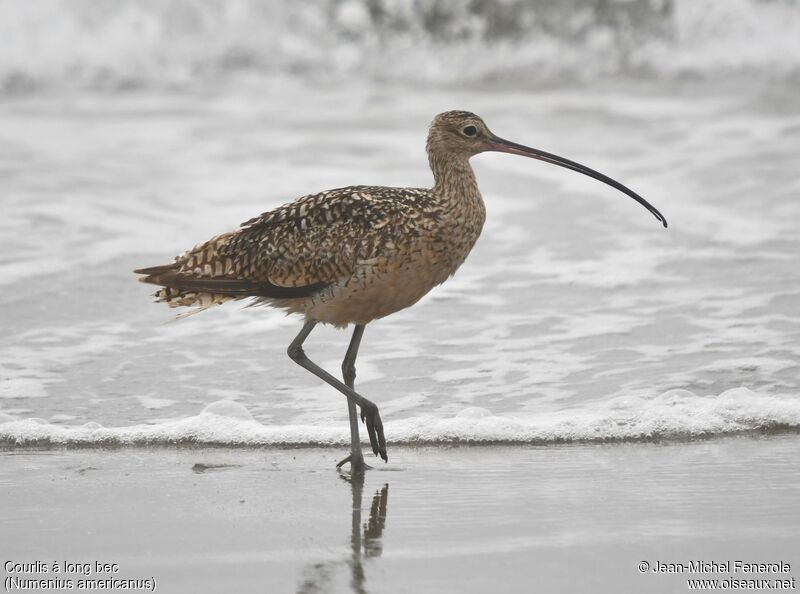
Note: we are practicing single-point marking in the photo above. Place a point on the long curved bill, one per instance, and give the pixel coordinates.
(506, 146)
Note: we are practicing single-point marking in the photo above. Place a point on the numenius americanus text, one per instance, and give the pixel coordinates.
(355, 254)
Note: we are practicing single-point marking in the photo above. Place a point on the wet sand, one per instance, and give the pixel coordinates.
(573, 518)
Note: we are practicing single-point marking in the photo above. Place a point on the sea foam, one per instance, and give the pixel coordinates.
(675, 414)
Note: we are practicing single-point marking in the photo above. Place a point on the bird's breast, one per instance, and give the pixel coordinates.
(398, 268)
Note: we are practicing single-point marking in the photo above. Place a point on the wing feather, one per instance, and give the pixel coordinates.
(297, 249)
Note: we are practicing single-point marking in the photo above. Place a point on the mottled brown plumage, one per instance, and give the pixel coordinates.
(355, 254)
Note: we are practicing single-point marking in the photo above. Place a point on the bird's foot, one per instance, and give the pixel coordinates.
(357, 464)
(371, 417)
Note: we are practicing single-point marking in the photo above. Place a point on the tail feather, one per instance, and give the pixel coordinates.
(168, 276)
(176, 296)
(182, 289)
(155, 270)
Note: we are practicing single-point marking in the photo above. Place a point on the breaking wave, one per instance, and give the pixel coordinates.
(123, 44)
(673, 415)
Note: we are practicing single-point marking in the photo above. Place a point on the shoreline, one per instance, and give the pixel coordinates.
(778, 430)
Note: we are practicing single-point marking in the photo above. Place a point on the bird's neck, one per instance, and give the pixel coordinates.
(453, 177)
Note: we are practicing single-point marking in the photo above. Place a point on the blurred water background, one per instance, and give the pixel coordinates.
(131, 130)
(133, 44)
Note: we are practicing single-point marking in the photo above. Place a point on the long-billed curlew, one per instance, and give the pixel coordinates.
(355, 254)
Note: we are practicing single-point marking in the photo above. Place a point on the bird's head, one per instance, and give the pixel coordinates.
(458, 133)
(455, 134)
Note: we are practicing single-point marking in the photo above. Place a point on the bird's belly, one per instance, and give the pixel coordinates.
(377, 290)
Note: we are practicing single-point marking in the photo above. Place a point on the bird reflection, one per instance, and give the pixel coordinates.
(365, 540)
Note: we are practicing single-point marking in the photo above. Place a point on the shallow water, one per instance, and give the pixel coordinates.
(576, 316)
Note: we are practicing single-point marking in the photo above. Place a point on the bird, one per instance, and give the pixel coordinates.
(353, 255)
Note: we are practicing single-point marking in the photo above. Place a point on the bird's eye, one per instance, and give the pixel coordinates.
(469, 131)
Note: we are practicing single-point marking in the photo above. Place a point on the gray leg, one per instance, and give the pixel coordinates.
(356, 458)
(369, 412)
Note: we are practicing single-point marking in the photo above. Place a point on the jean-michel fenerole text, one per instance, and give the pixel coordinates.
(719, 567)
